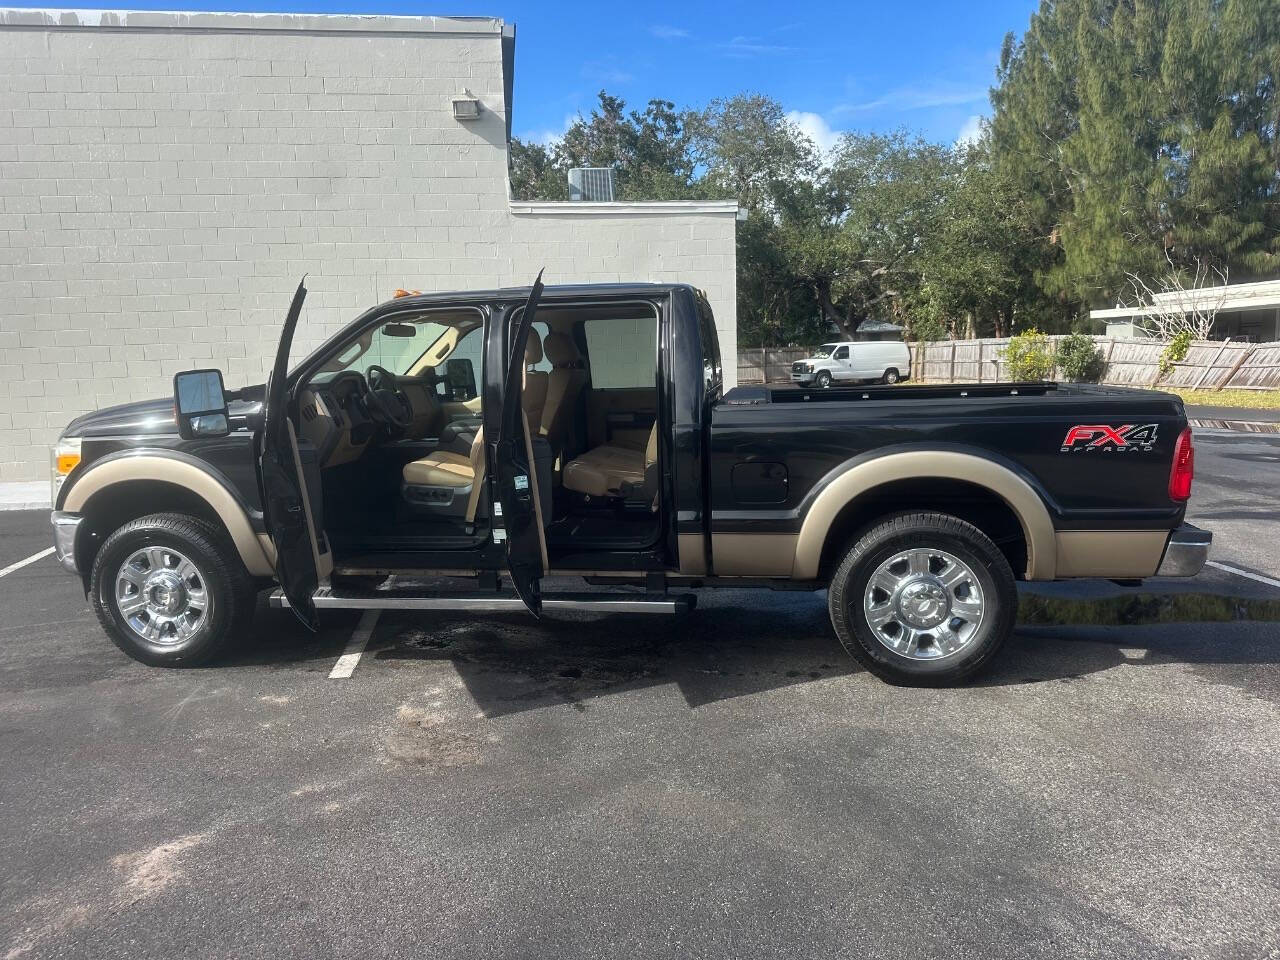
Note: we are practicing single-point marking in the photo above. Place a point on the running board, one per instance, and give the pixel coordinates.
(327, 598)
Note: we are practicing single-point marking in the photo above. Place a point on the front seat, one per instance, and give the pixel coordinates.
(613, 470)
(447, 483)
(534, 394)
(565, 382)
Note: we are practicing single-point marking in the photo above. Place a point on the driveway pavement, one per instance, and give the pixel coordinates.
(724, 785)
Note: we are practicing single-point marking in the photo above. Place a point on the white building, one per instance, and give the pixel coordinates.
(1242, 311)
(166, 179)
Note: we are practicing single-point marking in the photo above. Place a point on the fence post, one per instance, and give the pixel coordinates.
(1106, 361)
(951, 376)
(1212, 363)
(1244, 355)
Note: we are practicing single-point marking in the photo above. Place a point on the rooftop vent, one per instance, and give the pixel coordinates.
(591, 183)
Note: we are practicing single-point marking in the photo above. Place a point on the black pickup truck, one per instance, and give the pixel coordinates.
(482, 438)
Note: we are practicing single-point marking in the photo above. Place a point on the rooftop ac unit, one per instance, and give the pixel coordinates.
(591, 183)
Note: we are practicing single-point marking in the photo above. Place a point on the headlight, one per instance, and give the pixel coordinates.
(808, 368)
(64, 458)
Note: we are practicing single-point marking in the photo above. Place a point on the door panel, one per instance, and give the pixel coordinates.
(284, 502)
(512, 465)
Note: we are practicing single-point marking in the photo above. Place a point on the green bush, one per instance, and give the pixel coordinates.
(1175, 351)
(1079, 358)
(1029, 356)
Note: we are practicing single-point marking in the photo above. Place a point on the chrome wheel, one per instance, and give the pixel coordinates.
(923, 604)
(162, 595)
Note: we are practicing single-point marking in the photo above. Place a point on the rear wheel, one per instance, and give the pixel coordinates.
(823, 379)
(890, 376)
(170, 590)
(923, 599)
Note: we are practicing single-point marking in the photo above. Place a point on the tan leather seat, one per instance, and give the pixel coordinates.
(448, 483)
(534, 395)
(565, 382)
(616, 471)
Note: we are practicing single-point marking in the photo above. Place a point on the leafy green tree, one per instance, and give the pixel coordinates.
(854, 234)
(1140, 129)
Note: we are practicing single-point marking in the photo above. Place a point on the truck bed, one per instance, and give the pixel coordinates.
(786, 393)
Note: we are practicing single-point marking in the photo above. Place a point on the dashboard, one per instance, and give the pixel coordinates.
(335, 417)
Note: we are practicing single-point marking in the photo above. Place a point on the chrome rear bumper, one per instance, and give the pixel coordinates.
(1186, 552)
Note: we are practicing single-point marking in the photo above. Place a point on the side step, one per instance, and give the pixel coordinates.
(326, 598)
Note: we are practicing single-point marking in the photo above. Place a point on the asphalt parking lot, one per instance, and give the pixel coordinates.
(728, 784)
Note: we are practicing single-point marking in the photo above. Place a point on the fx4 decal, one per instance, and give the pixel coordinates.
(1092, 437)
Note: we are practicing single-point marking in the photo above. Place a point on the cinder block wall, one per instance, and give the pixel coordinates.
(165, 180)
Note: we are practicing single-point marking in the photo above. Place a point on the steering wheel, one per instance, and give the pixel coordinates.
(388, 403)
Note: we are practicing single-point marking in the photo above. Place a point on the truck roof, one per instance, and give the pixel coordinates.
(549, 292)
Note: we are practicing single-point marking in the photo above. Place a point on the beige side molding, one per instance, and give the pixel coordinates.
(181, 474)
(1037, 527)
(1110, 553)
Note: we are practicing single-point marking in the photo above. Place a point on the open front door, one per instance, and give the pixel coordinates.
(512, 466)
(284, 504)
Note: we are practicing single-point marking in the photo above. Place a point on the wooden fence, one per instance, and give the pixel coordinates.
(1209, 364)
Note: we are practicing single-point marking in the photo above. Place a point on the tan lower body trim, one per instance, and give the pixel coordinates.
(1110, 553)
(693, 555)
(753, 554)
(180, 473)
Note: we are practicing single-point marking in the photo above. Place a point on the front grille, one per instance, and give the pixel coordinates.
(797, 367)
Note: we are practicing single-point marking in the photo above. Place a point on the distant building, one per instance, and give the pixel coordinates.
(1249, 312)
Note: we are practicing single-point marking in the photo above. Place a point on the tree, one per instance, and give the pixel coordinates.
(1142, 131)
(855, 233)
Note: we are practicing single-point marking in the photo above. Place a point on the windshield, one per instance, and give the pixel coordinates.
(825, 351)
(399, 344)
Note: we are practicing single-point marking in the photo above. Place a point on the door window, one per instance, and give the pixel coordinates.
(842, 353)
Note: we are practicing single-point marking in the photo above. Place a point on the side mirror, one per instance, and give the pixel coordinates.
(200, 404)
(461, 378)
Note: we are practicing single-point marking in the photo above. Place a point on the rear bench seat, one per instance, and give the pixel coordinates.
(614, 470)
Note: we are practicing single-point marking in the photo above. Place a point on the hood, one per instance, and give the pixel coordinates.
(145, 418)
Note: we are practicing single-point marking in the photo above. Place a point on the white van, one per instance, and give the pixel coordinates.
(885, 360)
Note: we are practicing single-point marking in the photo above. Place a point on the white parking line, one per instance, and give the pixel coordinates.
(22, 563)
(346, 664)
(1242, 573)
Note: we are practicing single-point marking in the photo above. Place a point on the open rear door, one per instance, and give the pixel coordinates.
(512, 467)
(285, 507)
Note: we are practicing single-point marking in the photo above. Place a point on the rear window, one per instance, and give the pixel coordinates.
(623, 352)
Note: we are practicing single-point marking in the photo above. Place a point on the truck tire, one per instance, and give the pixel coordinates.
(823, 379)
(170, 590)
(891, 376)
(923, 599)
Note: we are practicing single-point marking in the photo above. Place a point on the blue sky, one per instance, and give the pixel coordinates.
(921, 64)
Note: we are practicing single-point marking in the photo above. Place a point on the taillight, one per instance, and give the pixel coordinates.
(1184, 467)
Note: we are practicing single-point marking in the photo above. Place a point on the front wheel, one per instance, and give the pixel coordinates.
(170, 590)
(924, 599)
(823, 380)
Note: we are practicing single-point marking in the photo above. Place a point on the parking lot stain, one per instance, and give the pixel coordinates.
(151, 871)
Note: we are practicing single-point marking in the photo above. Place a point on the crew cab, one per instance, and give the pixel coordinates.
(450, 451)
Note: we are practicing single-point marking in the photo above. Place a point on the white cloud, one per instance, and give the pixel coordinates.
(971, 132)
(664, 32)
(916, 98)
(752, 47)
(815, 128)
(548, 137)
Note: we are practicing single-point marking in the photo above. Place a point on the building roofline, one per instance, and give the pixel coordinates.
(589, 208)
(54, 18)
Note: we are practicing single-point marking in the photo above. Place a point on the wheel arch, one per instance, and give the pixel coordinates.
(840, 497)
(114, 491)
